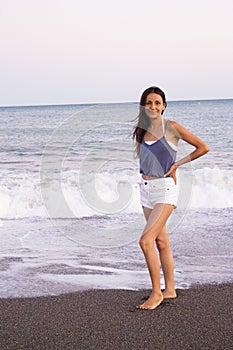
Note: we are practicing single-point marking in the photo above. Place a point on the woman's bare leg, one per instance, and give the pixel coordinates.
(166, 258)
(146, 212)
(167, 262)
(156, 221)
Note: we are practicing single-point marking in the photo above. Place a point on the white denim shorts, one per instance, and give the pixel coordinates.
(156, 191)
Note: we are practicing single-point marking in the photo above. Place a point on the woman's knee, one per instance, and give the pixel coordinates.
(163, 243)
(146, 243)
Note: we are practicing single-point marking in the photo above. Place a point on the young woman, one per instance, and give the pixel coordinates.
(156, 146)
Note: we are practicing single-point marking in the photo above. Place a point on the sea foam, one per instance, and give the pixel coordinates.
(21, 196)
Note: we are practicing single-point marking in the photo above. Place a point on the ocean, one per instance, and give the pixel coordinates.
(70, 217)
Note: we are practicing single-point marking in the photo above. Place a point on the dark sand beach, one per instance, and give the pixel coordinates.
(200, 318)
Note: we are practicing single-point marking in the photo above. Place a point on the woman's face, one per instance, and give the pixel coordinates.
(154, 105)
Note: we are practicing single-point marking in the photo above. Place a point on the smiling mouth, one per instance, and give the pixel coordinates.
(152, 112)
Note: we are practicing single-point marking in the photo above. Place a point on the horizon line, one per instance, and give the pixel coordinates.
(112, 102)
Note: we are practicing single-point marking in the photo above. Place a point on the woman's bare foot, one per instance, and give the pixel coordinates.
(169, 294)
(154, 301)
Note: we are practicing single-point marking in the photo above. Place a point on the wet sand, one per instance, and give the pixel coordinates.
(200, 318)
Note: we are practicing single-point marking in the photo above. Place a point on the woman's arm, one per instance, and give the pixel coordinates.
(183, 134)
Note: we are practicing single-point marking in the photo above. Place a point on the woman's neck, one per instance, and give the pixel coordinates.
(155, 124)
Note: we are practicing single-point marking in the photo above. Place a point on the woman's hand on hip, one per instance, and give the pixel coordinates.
(172, 172)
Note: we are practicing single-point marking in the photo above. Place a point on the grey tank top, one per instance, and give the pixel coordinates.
(156, 158)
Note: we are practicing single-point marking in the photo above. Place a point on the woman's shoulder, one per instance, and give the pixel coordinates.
(177, 130)
(172, 126)
(170, 123)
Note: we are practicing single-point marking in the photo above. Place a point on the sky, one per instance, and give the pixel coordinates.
(96, 51)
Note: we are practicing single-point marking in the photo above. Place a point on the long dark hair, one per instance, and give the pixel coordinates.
(143, 120)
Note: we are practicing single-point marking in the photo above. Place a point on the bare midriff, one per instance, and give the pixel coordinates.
(146, 177)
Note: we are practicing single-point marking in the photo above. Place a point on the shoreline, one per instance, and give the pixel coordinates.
(199, 318)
